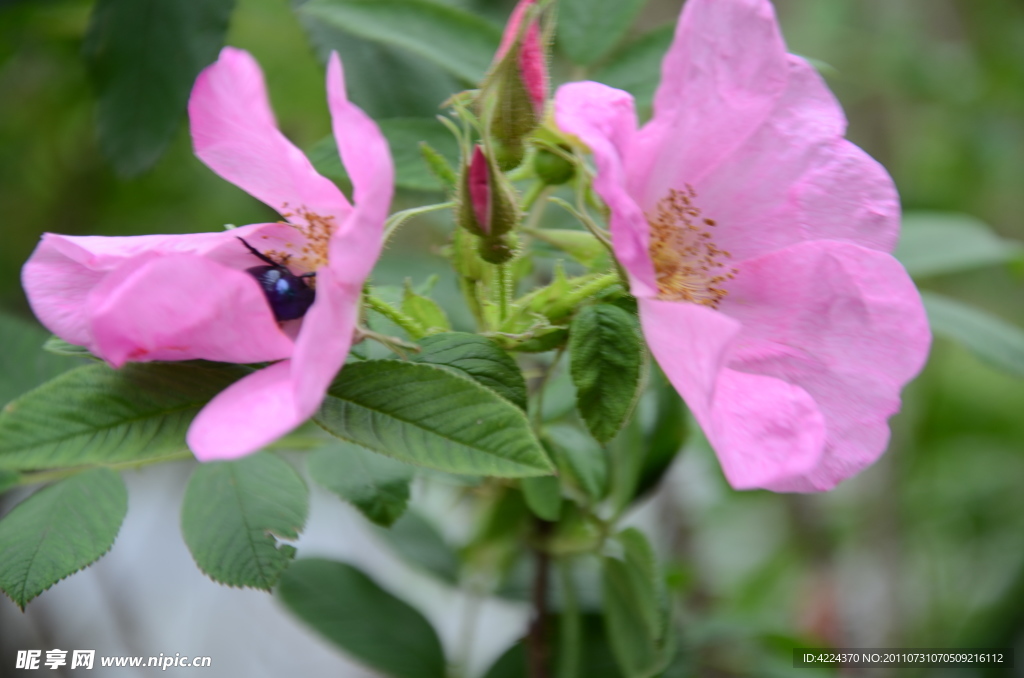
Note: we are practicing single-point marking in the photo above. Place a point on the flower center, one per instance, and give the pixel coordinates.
(316, 233)
(688, 264)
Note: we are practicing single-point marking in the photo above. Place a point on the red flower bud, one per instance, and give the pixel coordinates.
(486, 207)
(531, 58)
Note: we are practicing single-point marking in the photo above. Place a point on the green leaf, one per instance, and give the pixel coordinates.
(59, 530)
(543, 496)
(58, 346)
(934, 243)
(415, 85)
(9, 479)
(418, 542)
(404, 136)
(374, 484)
(991, 339)
(233, 514)
(637, 67)
(587, 29)
(478, 358)
(429, 415)
(424, 310)
(439, 166)
(143, 56)
(350, 610)
(97, 415)
(22, 364)
(606, 354)
(635, 611)
(459, 42)
(580, 460)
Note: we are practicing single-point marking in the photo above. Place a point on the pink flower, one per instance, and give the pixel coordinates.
(757, 242)
(184, 297)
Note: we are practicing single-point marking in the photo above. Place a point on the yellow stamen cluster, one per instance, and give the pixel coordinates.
(689, 266)
(316, 232)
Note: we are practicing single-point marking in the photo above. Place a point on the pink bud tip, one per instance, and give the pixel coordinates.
(532, 64)
(479, 188)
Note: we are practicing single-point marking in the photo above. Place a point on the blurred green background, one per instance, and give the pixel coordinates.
(925, 549)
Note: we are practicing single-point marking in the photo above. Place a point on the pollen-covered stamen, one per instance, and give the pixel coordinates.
(688, 264)
(316, 233)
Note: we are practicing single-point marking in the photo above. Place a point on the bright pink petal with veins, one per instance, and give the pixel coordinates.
(764, 430)
(234, 132)
(367, 158)
(246, 416)
(845, 324)
(800, 180)
(721, 77)
(182, 307)
(605, 120)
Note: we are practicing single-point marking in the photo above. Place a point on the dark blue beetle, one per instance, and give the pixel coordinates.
(288, 294)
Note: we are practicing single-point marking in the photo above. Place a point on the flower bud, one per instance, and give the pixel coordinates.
(515, 91)
(487, 207)
(552, 168)
(498, 249)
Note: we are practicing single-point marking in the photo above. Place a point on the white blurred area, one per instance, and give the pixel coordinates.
(146, 597)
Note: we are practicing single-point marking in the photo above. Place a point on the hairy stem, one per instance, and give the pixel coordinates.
(399, 218)
(415, 330)
(504, 284)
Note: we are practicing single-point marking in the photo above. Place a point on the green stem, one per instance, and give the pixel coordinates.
(393, 344)
(538, 413)
(61, 474)
(589, 289)
(586, 220)
(598, 232)
(570, 625)
(415, 330)
(535, 191)
(504, 285)
(399, 218)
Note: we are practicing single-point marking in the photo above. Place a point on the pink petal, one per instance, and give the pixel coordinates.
(57, 285)
(722, 75)
(605, 120)
(845, 324)
(367, 158)
(246, 416)
(63, 270)
(327, 328)
(764, 430)
(182, 307)
(235, 134)
(515, 20)
(326, 337)
(799, 179)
